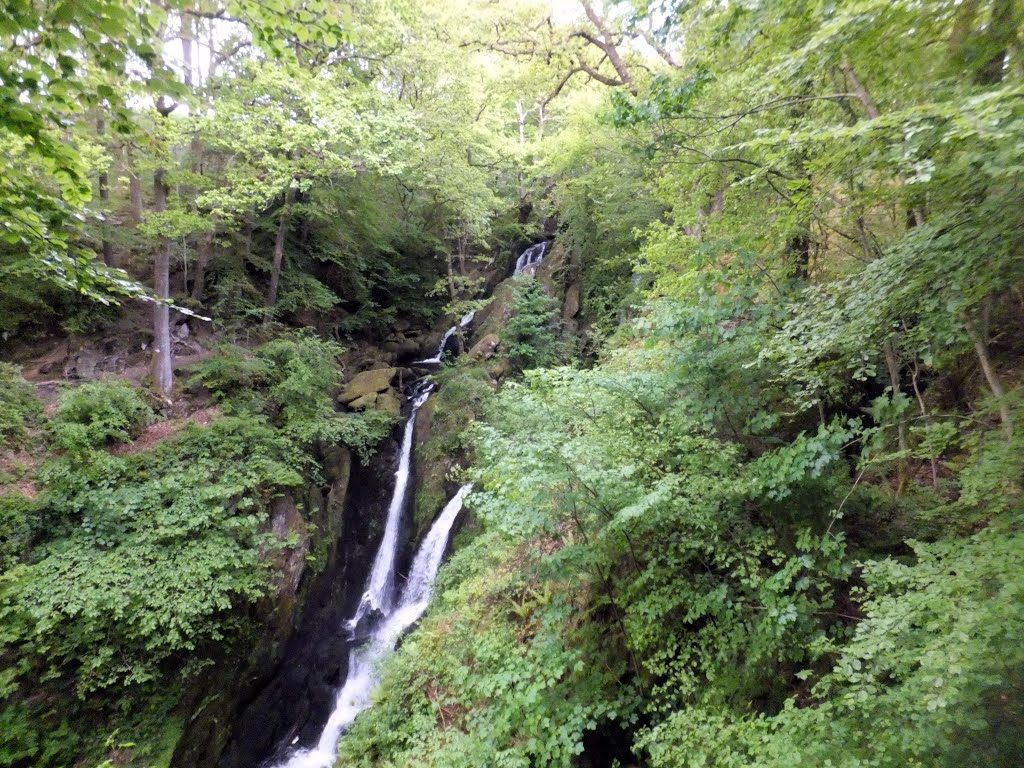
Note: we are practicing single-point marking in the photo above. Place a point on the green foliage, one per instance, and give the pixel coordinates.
(128, 573)
(18, 524)
(532, 336)
(291, 382)
(228, 371)
(98, 413)
(19, 406)
(125, 568)
(105, 595)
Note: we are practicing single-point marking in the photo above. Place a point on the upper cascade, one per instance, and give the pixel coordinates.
(531, 257)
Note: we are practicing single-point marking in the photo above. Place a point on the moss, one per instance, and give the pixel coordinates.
(462, 390)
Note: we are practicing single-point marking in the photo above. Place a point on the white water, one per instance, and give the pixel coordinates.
(380, 585)
(531, 257)
(355, 695)
(467, 318)
(440, 349)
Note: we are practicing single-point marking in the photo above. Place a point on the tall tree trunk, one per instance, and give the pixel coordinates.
(203, 261)
(915, 372)
(135, 191)
(995, 384)
(282, 234)
(892, 364)
(163, 374)
(163, 371)
(104, 182)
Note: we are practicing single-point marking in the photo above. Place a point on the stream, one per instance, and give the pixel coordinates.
(384, 612)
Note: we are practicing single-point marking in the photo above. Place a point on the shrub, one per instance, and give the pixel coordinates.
(228, 370)
(98, 413)
(19, 406)
(532, 336)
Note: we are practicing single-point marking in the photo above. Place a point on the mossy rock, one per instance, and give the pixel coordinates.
(389, 402)
(367, 383)
(484, 349)
(363, 402)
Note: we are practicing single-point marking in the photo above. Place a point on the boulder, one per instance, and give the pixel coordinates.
(409, 348)
(484, 349)
(367, 383)
(389, 401)
(286, 522)
(366, 401)
(571, 308)
(500, 369)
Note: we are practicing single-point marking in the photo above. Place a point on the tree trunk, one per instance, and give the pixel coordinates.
(282, 234)
(104, 182)
(927, 420)
(901, 427)
(135, 192)
(202, 262)
(163, 374)
(163, 371)
(995, 384)
(607, 44)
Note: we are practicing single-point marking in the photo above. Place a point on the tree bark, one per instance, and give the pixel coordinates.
(607, 44)
(282, 234)
(995, 384)
(163, 370)
(135, 192)
(901, 427)
(202, 262)
(163, 374)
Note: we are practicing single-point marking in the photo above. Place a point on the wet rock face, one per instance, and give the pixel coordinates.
(294, 699)
(283, 686)
(571, 307)
(287, 523)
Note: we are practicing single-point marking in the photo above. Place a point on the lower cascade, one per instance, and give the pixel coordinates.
(391, 618)
(381, 584)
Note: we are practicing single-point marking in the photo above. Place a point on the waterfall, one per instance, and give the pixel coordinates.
(440, 349)
(380, 585)
(355, 695)
(467, 318)
(531, 257)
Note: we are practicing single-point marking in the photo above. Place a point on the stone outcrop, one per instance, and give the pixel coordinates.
(368, 383)
(484, 349)
(389, 402)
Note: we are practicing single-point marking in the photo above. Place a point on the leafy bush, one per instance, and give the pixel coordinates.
(228, 370)
(532, 336)
(18, 515)
(98, 413)
(147, 553)
(304, 378)
(19, 406)
(292, 382)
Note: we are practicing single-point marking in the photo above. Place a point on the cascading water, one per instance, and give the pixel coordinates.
(355, 695)
(380, 585)
(466, 320)
(440, 349)
(531, 257)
